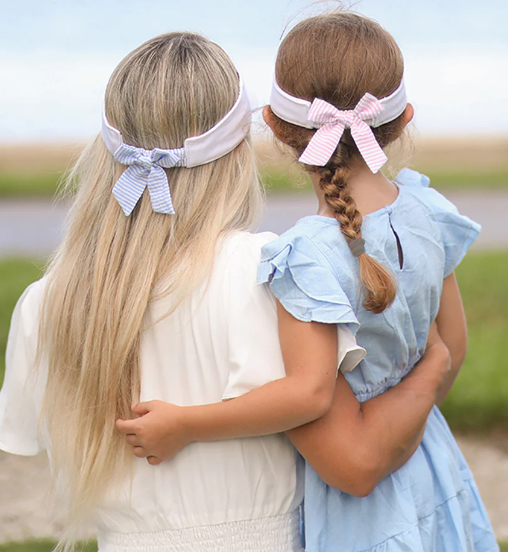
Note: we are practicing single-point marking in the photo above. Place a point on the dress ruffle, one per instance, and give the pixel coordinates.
(431, 504)
(304, 282)
(457, 231)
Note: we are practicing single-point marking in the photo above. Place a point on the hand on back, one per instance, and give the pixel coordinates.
(158, 433)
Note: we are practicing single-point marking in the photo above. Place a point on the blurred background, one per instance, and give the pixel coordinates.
(55, 61)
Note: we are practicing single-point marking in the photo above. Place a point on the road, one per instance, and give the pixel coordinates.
(34, 227)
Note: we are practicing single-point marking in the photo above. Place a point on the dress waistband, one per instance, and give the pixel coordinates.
(271, 534)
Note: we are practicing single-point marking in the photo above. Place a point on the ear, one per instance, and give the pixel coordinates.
(271, 121)
(266, 116)
(408, 114)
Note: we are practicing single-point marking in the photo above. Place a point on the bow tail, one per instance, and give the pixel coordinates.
(158, 187)
(323, 144)
(368, 146)
(129, 188)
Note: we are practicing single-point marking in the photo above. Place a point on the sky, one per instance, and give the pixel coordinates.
(56, 56)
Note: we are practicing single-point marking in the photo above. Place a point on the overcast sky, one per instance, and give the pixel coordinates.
(56, 56)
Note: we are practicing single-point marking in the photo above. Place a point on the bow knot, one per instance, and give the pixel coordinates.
(331, 123)
(145, 169)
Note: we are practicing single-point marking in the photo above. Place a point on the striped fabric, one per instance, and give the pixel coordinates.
(145, 169)
(332, 122)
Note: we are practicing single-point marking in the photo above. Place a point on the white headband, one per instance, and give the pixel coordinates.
(296, 111)
(145, 166)
(331, 122)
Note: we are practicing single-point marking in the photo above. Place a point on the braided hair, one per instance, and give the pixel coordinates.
(338, 57)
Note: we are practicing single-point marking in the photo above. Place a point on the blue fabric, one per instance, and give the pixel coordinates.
(431, 504)
(145, 170)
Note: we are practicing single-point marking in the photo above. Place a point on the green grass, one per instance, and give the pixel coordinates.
(26, 185)
(276, 180)
(479, 398)
(42, 546)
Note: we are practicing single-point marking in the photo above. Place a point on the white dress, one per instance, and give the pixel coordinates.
(241, 495)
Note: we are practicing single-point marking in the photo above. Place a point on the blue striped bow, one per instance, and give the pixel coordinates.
(145, 169)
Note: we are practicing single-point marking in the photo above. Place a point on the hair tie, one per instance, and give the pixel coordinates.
(357, 246)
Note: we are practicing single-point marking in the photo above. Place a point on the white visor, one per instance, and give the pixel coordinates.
(295, 110)
(205, 148)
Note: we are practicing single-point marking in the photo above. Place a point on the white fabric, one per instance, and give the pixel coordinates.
(271, 534)
(205, 148)
(219, 343)
(296, 110)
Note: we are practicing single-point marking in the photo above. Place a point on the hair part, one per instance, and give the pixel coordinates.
(110, 267)
(338, 57)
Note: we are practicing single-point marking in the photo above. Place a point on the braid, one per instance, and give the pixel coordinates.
(378, 284)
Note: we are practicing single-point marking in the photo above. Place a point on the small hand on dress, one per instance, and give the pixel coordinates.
(161, 429)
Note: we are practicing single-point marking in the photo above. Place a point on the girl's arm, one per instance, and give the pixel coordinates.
(309, 351)
(354, 446)
(451, 323)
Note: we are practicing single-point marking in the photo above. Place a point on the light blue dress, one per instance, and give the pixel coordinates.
(431, 504)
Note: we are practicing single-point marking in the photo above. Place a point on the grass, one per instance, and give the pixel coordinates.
(479, 398)
(22, 185)
(276, 180)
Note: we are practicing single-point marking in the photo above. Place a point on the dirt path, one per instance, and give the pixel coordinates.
(26, 511)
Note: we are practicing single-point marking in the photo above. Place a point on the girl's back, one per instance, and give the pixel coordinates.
(421, 238)
(219, 343)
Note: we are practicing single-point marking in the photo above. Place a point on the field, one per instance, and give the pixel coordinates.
(34, 170)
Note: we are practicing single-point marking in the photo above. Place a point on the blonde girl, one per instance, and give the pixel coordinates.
(152, 295)
(378, 258)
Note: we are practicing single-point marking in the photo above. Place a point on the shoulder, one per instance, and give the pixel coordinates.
(29, 305)
(298, 268)
(243, 249)
(455, 232)
(437, 205)
(313, 237)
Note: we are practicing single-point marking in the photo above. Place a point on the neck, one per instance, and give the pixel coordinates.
(370, 191)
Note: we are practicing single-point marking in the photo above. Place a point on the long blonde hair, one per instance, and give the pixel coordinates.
(110, 267)
(339, 56)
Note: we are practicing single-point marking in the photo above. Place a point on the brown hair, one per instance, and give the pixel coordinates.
(338, 57)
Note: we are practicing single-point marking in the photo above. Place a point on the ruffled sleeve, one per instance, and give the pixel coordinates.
(304, 281)
(20, 396)
(458, 232)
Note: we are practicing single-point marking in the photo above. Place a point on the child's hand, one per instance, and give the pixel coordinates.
(159, 432)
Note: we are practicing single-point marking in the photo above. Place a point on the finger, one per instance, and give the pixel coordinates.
(154, 461)
(133, 440)
(142, 408)
(139, 452)
(126, 426)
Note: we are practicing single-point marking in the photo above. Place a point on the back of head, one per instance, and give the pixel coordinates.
(339, 57)
(110, 266)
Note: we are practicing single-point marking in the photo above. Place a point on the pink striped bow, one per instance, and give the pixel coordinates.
(332, 122)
